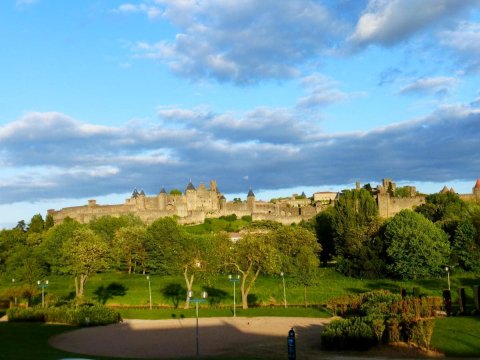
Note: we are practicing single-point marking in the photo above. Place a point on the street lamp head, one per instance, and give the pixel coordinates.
(148, 277)
(281, 274)
(446, 268)
(38, 282)
(46, 282)
(204, 294)
(230, 276)
(13, 280)
(190, 294)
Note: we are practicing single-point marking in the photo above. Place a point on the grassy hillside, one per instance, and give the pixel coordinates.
(124, 289)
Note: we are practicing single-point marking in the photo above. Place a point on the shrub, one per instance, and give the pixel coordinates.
(84, 315)
(350, 334)
(97, 315)
(26, 315)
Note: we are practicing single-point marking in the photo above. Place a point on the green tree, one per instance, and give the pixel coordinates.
(176, 192)
(445, 210)
(356, 225)
(466, 249)
(253, 254)
(84, 254)
(417, 248)
(177, 252)
(49, 223)
(53, 241)
(129, 246)
(325, 231)
(25, 265)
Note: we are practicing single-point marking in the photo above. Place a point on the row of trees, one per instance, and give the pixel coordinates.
(445, 231)
(163, 247)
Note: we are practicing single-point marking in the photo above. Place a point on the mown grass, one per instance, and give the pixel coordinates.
(157, 314)
(457, 336)
(267, 291)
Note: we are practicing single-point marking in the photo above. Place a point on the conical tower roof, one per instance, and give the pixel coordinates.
(445, 190)
(250, 193)
(190, 186)
(163, 191)
(477, 184)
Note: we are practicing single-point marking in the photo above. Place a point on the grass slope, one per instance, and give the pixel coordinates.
(457, 336)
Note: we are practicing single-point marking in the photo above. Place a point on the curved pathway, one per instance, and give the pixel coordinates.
(256, 337)
(176, 338)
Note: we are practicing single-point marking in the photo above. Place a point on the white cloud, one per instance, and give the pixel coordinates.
(242, 41)
(387, 22)
(152, 12)
(464, 40)
(433, 85)
(273, 146)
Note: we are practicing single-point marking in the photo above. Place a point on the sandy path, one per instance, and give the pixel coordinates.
(176, 338)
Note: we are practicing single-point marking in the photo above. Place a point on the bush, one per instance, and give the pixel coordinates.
(350, 334)
(84, 315)
(97, 315)
(26, 315)
(231, 217)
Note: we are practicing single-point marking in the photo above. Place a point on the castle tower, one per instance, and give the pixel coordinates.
(162, 199)
(213, 186)
(191, 196)
(223, 202)
(476, 190)
(141, 200)
(251, 201)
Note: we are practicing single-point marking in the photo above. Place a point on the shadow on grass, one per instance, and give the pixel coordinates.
(103, 294)
(174, 292)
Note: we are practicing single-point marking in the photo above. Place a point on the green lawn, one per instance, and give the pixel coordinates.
(457, 336)
(268, 290)
(223, 312)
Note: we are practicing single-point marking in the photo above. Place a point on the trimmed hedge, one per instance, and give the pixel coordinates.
(349, 334)
(83, 316)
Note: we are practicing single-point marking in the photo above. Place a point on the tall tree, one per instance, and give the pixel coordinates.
(466, 249)
(174, 251)
(129, 246)
(356, 225)
(325, 231)
(417, 248)
(84, 254)
(53, 241)
(253, 254)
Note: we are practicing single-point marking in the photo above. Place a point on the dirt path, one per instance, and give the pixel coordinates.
(261, 336)
(176, 338)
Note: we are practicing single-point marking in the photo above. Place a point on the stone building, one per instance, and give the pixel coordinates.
(192, 206)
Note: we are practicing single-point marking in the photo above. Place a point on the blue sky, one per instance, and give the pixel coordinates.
(100, 97)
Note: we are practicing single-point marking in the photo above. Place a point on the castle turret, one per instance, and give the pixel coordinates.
(476, 190)
(191, 196)
(223, 202)
(251, 201)
(162, 199)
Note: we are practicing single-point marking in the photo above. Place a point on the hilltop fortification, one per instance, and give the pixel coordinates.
(194, 205)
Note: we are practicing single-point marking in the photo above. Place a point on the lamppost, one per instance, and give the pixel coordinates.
(284, 292)
(149, 291)
(234, 279)
(13, 281)
(447, 269)
(43, 285)
(202, 299)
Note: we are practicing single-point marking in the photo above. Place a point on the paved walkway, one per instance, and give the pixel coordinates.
(176, 338)
(261, 336)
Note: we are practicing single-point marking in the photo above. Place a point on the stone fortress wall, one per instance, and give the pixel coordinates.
(194, 205)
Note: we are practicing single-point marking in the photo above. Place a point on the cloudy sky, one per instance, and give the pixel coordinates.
(102, 96)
